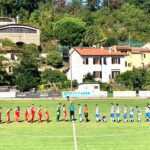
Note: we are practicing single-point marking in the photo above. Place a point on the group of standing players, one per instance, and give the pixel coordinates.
(115, 113)
(128, 115)
(29, 114)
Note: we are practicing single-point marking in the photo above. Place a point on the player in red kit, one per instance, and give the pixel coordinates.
(8, 115)
(17, 114)
(47, 115)
(27, 111)
(32, 111)
(39, 114)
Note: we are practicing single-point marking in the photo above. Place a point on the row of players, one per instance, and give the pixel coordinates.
(114, 113)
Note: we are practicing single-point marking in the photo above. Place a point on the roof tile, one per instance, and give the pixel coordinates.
(90, 51)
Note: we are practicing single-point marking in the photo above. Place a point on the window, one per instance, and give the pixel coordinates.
(126, 64)
(97, 74)
(115, 60)
(129, 64)
(85, 61)
(97, 61)
(144, 55)
(104, 61)
(12, 56)
(95, 87)
(114, 74)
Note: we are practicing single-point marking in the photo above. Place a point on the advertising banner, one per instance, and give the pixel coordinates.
(84, 94)
(7, 94)
(124, 93)
(38, 94)
(144, 93)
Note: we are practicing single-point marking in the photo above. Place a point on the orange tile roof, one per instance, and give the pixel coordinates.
(90, 51)
(122, 47)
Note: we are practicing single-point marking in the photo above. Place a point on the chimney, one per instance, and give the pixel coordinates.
(94, 46)
(115, 48)
(109, 50)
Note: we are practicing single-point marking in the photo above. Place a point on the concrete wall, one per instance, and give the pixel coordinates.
(27, 38)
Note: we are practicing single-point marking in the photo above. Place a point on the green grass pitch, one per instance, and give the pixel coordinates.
(59, 136)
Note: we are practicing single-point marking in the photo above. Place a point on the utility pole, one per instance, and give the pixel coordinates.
(71, 51)
(129, 39)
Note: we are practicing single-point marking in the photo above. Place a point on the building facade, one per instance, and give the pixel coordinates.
(18, 33)
(104, 64)
(135, 57)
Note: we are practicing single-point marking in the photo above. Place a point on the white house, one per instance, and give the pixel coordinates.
(104, 63)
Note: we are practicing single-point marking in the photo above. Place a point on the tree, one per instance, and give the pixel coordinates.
(52, 76)
(111, 40)
(88, 77)
(135, 79)
(94, 36)
(7, 42)
(3, 74)
(26, 75)
(125, 79)
(54, 59)
(69, 31)
(31, 49)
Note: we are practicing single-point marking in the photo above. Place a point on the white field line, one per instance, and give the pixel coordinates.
(74, 134)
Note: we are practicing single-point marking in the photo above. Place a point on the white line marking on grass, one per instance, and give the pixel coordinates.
(74, 134)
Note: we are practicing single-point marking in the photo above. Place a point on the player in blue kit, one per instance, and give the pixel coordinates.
(117, 113)
(125, 113)
(131, 114)
(147, 110)
(97, 113)
(112, 112)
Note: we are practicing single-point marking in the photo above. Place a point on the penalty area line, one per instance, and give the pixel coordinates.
(74, 135)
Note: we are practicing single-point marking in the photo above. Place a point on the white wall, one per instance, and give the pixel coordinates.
(79, 69)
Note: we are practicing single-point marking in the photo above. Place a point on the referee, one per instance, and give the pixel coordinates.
(71, 109)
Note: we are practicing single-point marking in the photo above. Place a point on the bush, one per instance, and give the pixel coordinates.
(54, 59)
(7, 42)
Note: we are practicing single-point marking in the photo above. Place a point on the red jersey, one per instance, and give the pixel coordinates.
(32, 111)
(17, 112)
(40, 111)
(27, 112)
(8, 112)
(46, 112)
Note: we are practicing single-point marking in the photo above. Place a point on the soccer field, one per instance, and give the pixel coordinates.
(60, 136)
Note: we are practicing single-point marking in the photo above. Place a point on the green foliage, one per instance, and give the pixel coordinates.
(31, 49)
(94, 36)
(2, 77)
(7, 42)
(54, 59)
(26, 75)
(135, 79)
(111, 41)
(88, 77)
(69, 31)
(106, 86)
(52, 76)
(25, 78)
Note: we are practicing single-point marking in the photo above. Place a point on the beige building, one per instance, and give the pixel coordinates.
(10, 58)
(136, 57)
(18, 33)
